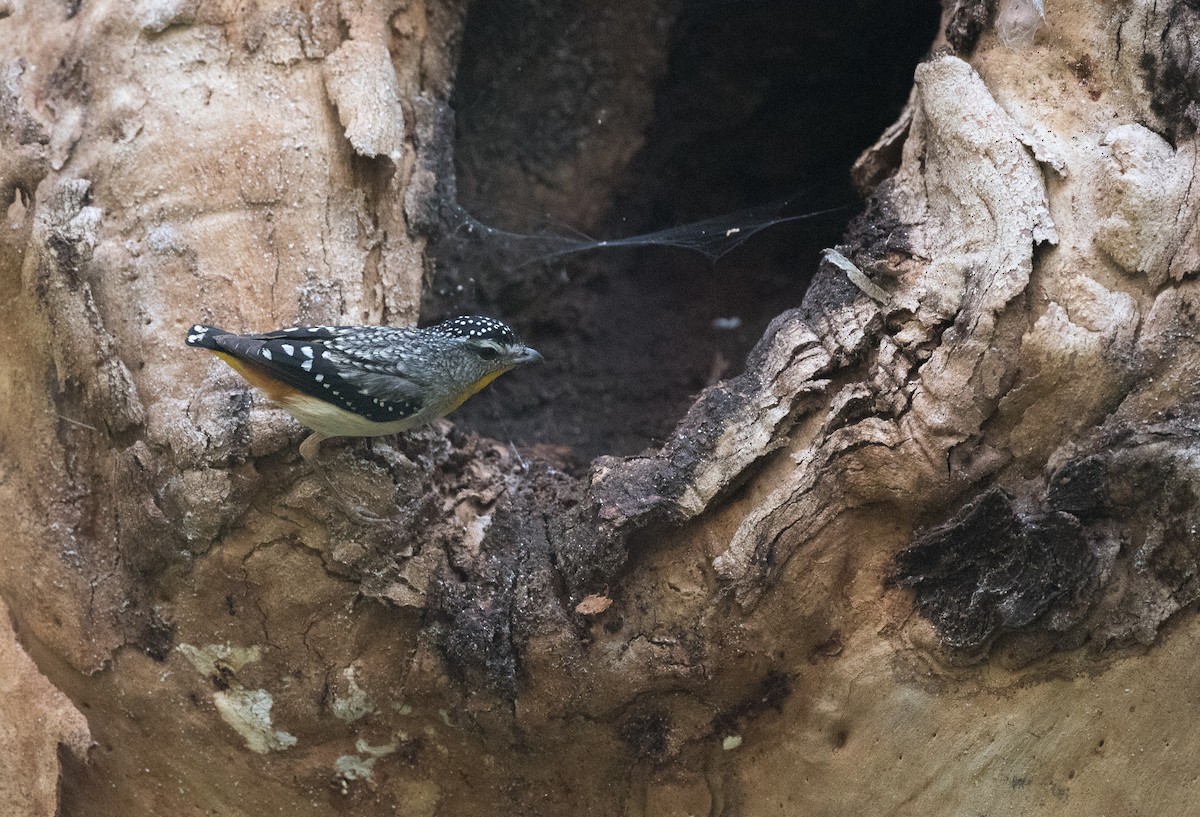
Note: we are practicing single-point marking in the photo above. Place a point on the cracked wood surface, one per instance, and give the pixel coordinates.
(1012, 435)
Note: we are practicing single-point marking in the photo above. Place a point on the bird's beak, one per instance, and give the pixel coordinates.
(528, 356)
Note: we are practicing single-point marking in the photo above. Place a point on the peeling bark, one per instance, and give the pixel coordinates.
(37, 720)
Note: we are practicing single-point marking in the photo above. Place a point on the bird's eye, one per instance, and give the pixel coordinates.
(488, 352)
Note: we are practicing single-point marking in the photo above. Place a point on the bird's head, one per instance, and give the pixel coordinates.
(478, 349)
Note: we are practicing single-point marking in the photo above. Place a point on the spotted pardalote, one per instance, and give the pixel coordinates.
(365, 381)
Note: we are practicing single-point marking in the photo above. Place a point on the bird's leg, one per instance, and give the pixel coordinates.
(310, 451)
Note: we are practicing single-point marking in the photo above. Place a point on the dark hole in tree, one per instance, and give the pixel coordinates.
(638, 116)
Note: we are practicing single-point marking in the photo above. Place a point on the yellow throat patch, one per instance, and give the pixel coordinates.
(476, 387)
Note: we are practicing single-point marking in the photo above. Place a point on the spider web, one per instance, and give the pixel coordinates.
(712, 238)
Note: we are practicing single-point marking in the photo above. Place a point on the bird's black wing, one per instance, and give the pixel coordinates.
(300, 357)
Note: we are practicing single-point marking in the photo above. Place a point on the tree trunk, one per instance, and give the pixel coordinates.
(919, 556)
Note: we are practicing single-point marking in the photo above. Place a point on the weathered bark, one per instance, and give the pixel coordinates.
(933, 553)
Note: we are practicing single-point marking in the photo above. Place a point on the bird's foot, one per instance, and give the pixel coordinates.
(309, 449)
(361, 515)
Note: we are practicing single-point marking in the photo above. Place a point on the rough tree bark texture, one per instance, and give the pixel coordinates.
(930, 555)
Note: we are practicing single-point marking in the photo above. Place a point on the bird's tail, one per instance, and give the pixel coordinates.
(203, 336)
(239, 352)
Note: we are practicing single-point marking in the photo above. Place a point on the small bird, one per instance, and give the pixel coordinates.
(366, 381)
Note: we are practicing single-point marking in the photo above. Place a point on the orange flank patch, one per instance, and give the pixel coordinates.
(259, 377)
